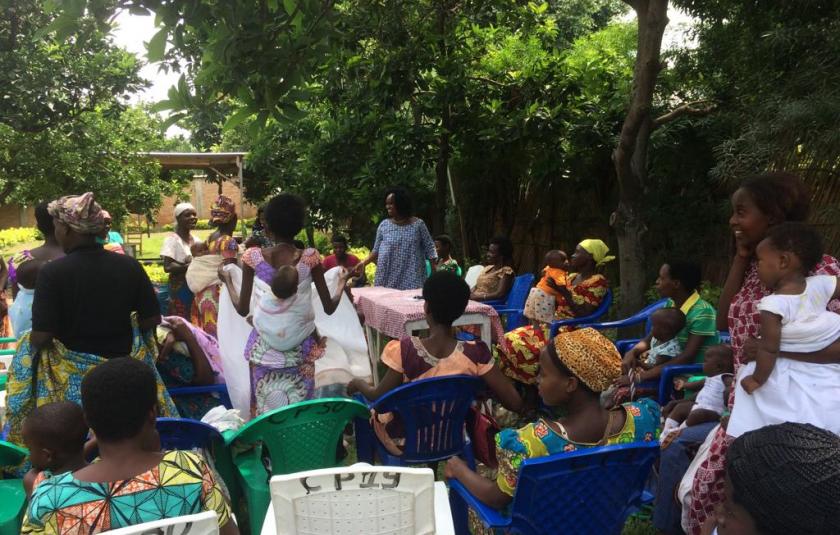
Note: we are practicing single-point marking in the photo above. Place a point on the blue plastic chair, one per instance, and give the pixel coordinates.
(589, 491)
(512, 307)
(584, 321)
(186, 434)
(220, 389)
(433, 414)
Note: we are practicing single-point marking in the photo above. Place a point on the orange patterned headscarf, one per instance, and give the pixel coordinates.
(223, 210)
(589, 355)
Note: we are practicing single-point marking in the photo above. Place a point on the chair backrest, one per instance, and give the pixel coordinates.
(472, 275)
(599, 312)
(11, 455)
(301, 436)
(375, 500)
(519, 291)
(206, 523)
(433, 412)
(588, 491)
(185, 434)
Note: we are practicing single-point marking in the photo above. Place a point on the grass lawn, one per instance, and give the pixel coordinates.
(151, 245)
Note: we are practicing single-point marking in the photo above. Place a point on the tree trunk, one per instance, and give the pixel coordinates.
(630, 156)
(444, 149)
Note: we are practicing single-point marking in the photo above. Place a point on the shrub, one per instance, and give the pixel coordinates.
(156, 273)
(13, 236)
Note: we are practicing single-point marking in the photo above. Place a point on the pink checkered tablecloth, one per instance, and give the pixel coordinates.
(388, 310)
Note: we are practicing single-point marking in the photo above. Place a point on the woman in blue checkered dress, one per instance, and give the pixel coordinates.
(403, 244)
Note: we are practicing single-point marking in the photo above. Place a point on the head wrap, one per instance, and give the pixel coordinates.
(183, 207)
(81, 213)
(787, 477)
(223, 210)
(598, 250)
(590, 356)
(106, 216)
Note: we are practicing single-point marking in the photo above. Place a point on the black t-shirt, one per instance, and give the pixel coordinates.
(86, 299)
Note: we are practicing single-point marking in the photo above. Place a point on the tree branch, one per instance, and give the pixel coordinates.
(487, 80)
(697, 108)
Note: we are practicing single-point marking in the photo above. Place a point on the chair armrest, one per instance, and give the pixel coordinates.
(666, 379)
(617, 324)
(501, 311)
(490, 517)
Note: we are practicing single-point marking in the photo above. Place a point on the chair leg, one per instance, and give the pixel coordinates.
(460, 513)
(365, 447)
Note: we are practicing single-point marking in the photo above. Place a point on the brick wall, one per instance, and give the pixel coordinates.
(201, 194)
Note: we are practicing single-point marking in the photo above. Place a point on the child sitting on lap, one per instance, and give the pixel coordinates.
(666, 323)
(541, 300)
(710, 402)
(793, 319)
(55, 434)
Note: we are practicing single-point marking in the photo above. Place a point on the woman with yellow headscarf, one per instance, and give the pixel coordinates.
(519, 350)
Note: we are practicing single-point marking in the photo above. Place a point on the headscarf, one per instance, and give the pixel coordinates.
(589, 355)
(598, 249)
(79, 212)
(223, 210)
(183, 207)
(787, 477)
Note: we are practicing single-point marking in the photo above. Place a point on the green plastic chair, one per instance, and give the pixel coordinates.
(301, 436)
(12, 494)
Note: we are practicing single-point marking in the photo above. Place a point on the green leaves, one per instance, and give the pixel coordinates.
(157, 45)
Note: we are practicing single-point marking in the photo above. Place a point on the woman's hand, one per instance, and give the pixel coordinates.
(455, 466)
(553, 284)
(181, 331)
(224, 275)
(353, 387)
(359, 270)
(623, 380)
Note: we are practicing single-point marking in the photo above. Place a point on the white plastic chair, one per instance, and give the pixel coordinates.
(472, 276)
(374, 500)
(206, 523)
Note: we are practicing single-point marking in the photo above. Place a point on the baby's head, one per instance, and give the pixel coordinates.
(55, 434)
(718, 359)
(666, 323)
(285, 282)
(789, 248)
(27, 273)
(556, 259)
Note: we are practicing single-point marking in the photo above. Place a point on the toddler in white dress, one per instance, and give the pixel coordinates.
(794, 319)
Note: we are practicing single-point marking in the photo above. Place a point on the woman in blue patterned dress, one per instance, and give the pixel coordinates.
(403, 244)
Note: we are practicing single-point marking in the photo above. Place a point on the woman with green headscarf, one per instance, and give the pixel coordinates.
(519, 350)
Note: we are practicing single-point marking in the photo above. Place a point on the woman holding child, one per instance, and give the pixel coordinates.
(282, 359)
(519, 351)
(762, 202)
(176, 253)
(202, 275)
(132, 481)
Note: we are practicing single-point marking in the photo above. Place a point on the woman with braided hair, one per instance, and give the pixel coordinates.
(781, 479)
